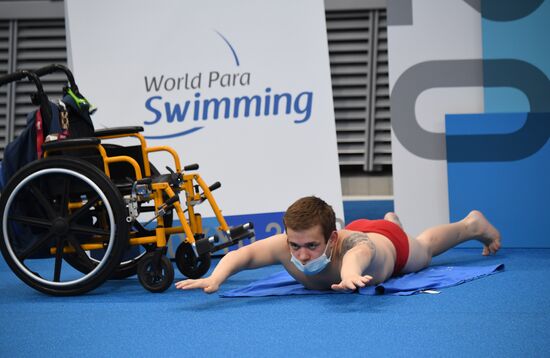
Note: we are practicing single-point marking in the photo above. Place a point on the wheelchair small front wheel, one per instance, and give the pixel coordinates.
(155, 274)
(189, 264)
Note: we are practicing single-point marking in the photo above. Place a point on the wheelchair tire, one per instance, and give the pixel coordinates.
(155, 279)
(54, 204)
(190, 265)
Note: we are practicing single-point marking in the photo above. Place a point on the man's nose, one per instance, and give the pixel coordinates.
(303, 256)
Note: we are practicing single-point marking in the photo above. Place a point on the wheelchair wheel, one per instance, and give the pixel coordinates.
(58, 208)
(155, 276)
(190, 265)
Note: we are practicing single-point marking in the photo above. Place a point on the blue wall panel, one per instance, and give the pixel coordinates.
(515, 30)
(514, 194)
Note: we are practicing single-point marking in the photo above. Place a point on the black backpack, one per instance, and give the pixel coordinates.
(70, 118)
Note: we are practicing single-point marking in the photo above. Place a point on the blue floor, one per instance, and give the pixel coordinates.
(503, 315)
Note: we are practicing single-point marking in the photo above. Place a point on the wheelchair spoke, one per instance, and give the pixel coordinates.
(31, 221)
(64, 209)
(34, 247)
(41, 199)
(71, 240)
(58, 259)
(84, 209)
(88, 230)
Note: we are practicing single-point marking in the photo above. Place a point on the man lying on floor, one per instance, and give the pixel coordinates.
(365, 252)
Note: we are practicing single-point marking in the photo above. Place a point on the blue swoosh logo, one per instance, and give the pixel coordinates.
(230, 47)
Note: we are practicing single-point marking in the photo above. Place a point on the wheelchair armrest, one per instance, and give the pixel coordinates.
(117, 131)
(70, 143)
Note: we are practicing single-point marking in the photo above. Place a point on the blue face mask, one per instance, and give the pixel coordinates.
(314, 266)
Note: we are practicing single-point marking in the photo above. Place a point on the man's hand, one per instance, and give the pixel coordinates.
(352, 283)
(208, 284)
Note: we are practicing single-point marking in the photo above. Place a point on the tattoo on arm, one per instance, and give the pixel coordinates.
(358, 238)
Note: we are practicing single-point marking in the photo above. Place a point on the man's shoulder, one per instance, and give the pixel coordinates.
(351, 238)
(276, 239)
(276, 244)
(344, 234)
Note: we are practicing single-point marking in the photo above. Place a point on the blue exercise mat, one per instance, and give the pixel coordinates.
(431, 278)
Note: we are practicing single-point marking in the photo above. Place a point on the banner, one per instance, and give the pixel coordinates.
(435, 68)
(452, 58)
(242, 88)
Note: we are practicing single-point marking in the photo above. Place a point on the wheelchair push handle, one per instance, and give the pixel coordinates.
(58, 68)
(21, 75)
(38, 98)
(12, 77)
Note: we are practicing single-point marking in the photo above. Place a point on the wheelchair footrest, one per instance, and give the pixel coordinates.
(203, 246)
(234, 234)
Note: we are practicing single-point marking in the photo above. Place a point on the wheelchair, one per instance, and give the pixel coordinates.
(82, 210)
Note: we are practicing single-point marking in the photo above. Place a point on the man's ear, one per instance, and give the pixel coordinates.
(333, 237)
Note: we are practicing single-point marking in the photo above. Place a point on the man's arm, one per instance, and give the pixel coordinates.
(358, 251)
(260, 253)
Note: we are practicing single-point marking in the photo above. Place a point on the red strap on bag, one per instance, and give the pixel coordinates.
(39, 134)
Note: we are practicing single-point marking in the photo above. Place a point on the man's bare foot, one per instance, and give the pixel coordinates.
(486, 233)
(393, 218)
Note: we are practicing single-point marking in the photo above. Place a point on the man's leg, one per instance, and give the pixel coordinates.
(419, 254)
(393, 218)
(474, 226)
(436, 240)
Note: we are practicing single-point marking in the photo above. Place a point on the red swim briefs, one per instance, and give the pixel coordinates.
(390, 230)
